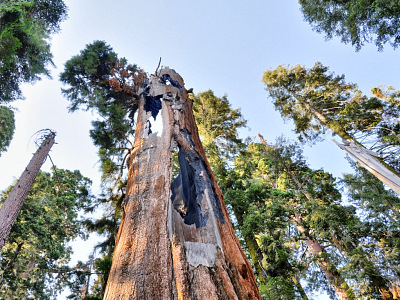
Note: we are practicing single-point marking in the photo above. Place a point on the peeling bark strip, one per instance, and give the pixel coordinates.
(175, 240)
(12, 205)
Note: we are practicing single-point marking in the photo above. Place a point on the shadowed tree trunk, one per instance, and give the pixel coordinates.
(175, 240)
(12, 205)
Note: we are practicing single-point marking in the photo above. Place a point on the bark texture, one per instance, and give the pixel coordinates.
(12, 205)
(175, 240)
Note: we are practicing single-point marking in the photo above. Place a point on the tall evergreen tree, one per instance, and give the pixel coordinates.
(100, 81)
(317, 100)
(218, 126)
(34, 260)
(12, 205)
(380, 211)
(275, 167)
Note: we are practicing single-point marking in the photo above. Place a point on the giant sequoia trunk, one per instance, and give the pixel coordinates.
(12, 205)
(175, 240)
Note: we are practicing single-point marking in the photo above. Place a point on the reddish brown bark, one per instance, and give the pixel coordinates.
(12, 205)
(175, 240)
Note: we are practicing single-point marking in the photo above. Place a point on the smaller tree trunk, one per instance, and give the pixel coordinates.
(379, 168)
(340, 286)
(12, 205)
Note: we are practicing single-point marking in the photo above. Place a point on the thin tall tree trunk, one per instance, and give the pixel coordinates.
(372, 164)
(175, 240)
(340, 286)
(376, 280)
(12, 205)
(332, 274)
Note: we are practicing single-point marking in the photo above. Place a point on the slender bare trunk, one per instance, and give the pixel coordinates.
(12, 205)
(175, 240)
(332, 274)
(341, 288)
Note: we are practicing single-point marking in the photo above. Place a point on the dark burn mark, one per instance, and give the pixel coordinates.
(148, 126)
(188, 187)
(153, 104)
(166, 78)
(187, 192)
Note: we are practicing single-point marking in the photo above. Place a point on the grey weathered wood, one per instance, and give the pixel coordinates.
(368, 160)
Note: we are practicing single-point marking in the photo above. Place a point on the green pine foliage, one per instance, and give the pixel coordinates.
(263, 213)
(25, 29)
(7, 127)
(98, 80)
(317, 100)
(380, 210)
(356, 22)
(34, 260)
(271, 185)
(218, 126)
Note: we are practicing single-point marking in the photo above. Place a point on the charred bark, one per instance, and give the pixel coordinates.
(175, 240)
(12, 205)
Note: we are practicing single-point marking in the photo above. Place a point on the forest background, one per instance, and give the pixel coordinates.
(223, 46)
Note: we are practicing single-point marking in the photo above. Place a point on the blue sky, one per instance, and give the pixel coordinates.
(220, 45)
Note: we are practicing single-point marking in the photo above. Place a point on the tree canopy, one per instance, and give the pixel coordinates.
(100, 81)
(25, 29)
(218, 126)
(318, 100)
(7, 127)
(356, 22)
